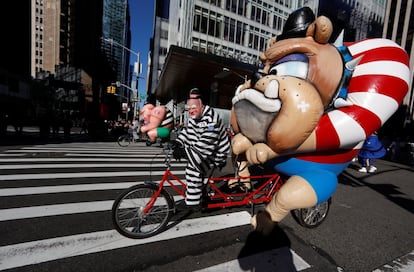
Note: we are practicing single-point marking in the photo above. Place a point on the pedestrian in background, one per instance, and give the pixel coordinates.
(135, 129)
(371, 149)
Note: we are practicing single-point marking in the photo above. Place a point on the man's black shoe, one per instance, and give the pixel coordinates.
(182, 206)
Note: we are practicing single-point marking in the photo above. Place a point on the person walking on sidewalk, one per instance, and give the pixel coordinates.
(371, 149)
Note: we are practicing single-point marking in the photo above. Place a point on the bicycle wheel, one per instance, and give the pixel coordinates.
(312, 217)
(124, 140)
(128, 212)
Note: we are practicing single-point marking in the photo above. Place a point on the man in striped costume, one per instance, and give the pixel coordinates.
(206, 144)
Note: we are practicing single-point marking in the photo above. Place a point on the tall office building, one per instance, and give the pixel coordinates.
(46, 34)
(399, 27)
(235, 29)
(116, 32)
(65, 50)
(116, 41)
(359, 19)
(66, 45)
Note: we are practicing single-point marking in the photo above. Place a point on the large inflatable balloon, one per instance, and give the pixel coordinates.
(308, 110)
(158, 121)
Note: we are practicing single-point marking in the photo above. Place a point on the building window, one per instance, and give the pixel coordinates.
(203, 25)
(164, 34)
(216, 3)
(232, 27)
(197, 22)
(239, 33)
(241, 8)
(163, 51)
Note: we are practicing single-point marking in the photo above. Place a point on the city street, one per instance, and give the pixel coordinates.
(302, 87)
(55, 216)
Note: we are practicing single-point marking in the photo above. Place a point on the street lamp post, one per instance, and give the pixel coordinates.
(137, 71)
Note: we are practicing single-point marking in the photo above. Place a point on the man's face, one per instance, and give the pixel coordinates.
(195, 108)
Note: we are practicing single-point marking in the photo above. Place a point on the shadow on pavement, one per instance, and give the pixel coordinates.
(383, 184)
(265, 253)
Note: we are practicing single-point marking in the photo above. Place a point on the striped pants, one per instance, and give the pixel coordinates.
(195, 175)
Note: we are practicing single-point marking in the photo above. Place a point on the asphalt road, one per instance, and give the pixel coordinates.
(369, 225)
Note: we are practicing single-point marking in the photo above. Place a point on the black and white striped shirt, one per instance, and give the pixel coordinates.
(168, 121)
(206, 139)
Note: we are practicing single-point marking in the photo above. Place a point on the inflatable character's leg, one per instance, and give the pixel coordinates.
(296, 193)
(152, 135)
(244, 172)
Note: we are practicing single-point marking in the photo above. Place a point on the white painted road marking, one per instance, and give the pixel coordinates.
(402, 264)
(280, 259)
(84, 175)
(56, 209)
(88, 159)
(59, 209)
(75, 165)
(35, 252)
(66, 188)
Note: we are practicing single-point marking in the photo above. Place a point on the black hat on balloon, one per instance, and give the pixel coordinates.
(297, 23)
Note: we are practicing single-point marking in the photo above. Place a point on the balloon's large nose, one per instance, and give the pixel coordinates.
(255, 78)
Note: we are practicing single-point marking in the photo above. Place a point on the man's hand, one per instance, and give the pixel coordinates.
(178, 150)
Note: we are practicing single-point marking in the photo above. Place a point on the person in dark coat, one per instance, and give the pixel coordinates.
(371, 149)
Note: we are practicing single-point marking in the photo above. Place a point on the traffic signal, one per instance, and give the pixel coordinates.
(110, 89)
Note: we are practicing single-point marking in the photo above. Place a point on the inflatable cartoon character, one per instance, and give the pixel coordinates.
(308, 111)
(158, 122)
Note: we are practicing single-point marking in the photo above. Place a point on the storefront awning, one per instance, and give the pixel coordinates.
(217, 77)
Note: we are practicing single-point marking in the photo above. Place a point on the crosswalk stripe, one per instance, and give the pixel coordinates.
(134, 155)
(76, 165)
(280, 259)
(403, 264)
(73, 188)
(71, 150)
(94, 147)
(89, 159)
(65, 188)
(90, 147)
(9, 155)
(83, 175)
(34, 149)
(53, 210)
(58, 209)
(35, 252)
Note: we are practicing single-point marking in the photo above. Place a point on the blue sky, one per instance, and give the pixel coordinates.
(142, 16)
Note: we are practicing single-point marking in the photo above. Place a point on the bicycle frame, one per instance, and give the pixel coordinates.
(144, 210)
(262, 194)
(216, 198)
